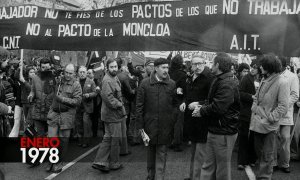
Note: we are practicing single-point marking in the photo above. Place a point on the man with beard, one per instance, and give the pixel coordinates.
(86, 108)
(154, 107)
(112, 113)
(62, 112)
(195, 93)
(42, 94)
(221, 112)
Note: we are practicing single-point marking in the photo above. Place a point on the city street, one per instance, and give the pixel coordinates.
(134, 167)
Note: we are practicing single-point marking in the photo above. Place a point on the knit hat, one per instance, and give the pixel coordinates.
(148, 61)
(160, 61)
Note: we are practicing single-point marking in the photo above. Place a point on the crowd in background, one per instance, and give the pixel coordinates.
(253, 106)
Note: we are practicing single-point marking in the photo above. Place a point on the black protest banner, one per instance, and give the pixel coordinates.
(248, 26)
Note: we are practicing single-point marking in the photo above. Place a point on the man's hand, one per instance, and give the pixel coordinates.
(182, 107)
(9, 110)
(298, 103)
(196, 112)
(30, 98)
(59, 98)
(86, 95)
(22, 79)
(193, 105)
(179, 91)
(98, 89)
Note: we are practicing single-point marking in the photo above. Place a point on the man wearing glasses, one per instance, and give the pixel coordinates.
(195, 93)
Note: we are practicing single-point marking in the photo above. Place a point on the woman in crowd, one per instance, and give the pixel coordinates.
(246, 152)
(270, 104)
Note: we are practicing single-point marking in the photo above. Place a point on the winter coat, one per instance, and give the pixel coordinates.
(223, 106)
(43, 92)
(293, 84)
(247, 89)
(197, 91)
(72, 93)
(112, 109)
(127, 92)
(154, 109)
(89, 88)
(271, 104)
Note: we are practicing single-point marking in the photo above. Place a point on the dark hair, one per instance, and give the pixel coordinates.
(45, 61)
(27, 70)
(298, 70)
(243, 66)
(284, 61)
(109, 61)
(224, 61)
(270, 63)
(176, 62)
(119, 62)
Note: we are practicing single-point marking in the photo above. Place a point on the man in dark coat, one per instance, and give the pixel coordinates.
(155, 105)
(86, 108)
(246, 152)
(127, 94)
(195, 93)
(179, 76)
(42, 95)
(222, 111)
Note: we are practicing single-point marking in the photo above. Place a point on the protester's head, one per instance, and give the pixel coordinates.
(222, 64)
(161, 66)
(255, 70)
(149, 65)
(285, 62)
(176, 62)
(270, 64)
(30, 72)
(45, 64)
(112, 67)
(198, 64)
(69, 72)
(119, 62)
(243, 69)
(90, 74)
(82, 72)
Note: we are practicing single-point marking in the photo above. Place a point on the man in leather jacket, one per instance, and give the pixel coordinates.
(222, 111)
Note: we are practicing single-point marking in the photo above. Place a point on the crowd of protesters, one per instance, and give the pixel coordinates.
(253, 107)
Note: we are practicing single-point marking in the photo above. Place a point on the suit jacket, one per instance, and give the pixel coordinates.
(89, 88)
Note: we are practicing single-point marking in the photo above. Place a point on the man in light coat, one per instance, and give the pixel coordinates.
(270, 104)
(112, 113)
(283, 146)
(62, 112)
